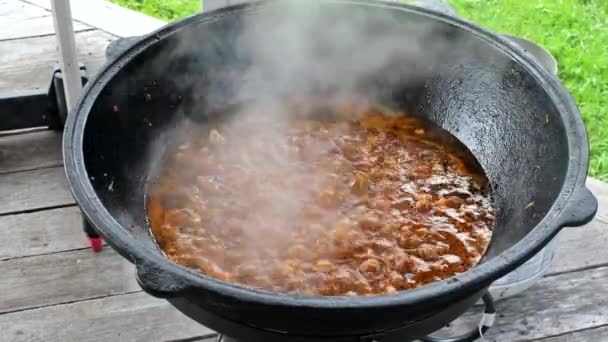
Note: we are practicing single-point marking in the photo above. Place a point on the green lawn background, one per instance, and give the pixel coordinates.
(574, 31)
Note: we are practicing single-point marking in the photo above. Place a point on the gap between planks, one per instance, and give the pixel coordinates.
(129, 317)
(23, 20)
(30, 151)
(539, 313)
(34, 190)
(108, 17)
(598, 334)
(27, 64)
(557, 305)
(40, 233)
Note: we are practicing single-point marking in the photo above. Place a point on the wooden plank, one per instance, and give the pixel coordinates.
(14, 9)
(27, 64)
(21, 20)
(556, 305)
(574, 243)
(591, 335)
(32, 27)
(127, 318)
(43, 232)
(541, 312)
(31, 190)
(109, 17)
(63, 277)
(30, 151)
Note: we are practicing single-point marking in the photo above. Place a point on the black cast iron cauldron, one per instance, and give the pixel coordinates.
(519, 122)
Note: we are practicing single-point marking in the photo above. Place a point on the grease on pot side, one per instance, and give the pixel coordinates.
(361, 204)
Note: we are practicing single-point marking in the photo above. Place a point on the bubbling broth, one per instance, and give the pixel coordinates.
(361, 202)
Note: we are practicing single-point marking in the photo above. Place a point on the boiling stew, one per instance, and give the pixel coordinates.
(355, 204)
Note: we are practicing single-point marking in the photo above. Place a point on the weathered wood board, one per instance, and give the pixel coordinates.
(29, 151)
(109, 17)
(13, 9)
(555, 306)
(63, 277)
(133, 317)
(42, 232)
(21, 20)
(32, 190)
(27, 64)
(588, 335)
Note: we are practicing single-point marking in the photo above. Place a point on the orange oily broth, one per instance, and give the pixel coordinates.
(370, 205)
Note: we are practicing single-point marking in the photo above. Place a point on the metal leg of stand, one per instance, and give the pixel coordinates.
(68, 58)
(72, 84)
(487, 321)
(95, 240)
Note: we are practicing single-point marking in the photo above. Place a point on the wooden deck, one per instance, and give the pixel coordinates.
(53, 288)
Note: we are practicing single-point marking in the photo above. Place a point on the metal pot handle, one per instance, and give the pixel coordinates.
(580, 210)
(487, 321)
(159, 283)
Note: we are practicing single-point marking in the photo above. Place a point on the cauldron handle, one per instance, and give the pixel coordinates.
(580, 210)
(486, 323)
(159, 283)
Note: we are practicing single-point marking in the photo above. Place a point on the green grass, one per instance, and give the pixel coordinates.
(168, 10)
(574, 31)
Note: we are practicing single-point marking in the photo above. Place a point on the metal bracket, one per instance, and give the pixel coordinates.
(57, 92)
(37, 108)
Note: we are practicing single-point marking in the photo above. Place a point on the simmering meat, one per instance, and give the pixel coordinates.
(373, 204)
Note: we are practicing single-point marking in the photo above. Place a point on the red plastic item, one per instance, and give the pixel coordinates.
(96, 244)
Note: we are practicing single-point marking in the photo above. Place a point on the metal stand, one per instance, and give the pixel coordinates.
(72, 85)
(486, 322)
(49, 108)
(45, 108)
(68, 58)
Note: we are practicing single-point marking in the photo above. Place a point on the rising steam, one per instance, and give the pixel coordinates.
(317, 53)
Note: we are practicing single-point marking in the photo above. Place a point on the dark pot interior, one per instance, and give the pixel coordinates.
(514, 117)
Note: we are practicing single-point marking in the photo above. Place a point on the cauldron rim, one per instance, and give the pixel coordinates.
(562, 213)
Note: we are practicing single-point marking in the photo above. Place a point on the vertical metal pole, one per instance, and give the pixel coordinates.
(68, 58)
